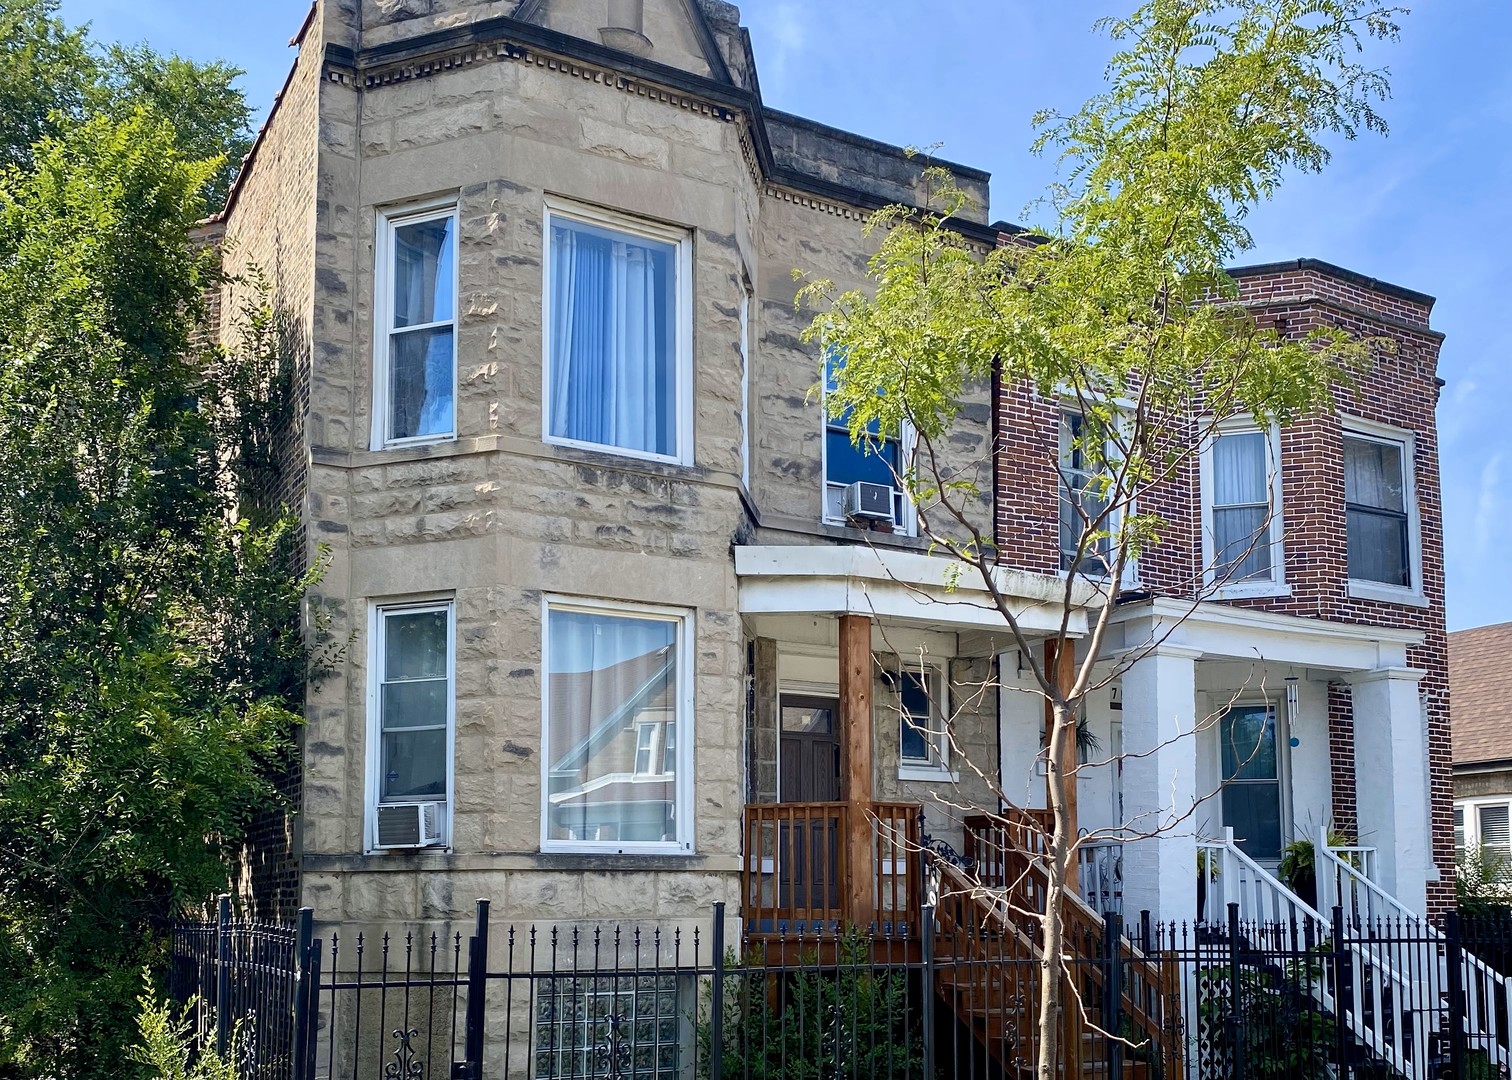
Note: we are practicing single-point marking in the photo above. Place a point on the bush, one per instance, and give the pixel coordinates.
(168, 1049)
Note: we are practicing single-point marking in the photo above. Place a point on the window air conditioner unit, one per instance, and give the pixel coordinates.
(871, 501)
(409, 825)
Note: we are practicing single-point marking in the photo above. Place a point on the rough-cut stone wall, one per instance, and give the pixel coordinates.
(497, 518)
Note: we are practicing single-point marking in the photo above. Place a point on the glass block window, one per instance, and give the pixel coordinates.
(631, 1026)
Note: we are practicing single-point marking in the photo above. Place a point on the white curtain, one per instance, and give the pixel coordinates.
(1372, 474)
(612, 349)
(1241, 505)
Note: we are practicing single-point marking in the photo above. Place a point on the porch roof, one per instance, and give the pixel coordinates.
(1223, 631)
(899, 585)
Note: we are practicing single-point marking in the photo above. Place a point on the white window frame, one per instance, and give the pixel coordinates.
(939, 705)
(684, 620)
(388, 221)
(1276, 584)
(378, 611)
(1472, 808)
(1067, 405)
(682, 239)
(908, 525)
(1406, 442)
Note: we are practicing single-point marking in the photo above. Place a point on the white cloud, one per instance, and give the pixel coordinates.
(787, 36)
(1490, 504)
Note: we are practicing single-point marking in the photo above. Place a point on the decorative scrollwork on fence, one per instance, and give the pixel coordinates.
(614, 1053)
(405, 1066)
(941, 849)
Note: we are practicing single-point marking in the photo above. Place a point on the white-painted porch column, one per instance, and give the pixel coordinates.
(1160, 784)
(1391, 779)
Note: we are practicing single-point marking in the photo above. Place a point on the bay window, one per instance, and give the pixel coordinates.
(616, 691)
(618, 335)
(415, 383)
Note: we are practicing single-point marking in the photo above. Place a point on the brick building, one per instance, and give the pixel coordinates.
(620, 616)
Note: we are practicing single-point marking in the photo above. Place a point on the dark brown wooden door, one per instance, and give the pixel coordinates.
(810, 749)
(810, 850)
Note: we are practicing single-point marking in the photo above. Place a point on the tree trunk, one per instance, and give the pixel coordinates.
(1058, 858)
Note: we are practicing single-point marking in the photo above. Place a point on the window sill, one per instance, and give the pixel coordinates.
(627, 851)
(834, 525)
(928, 774)
(617, 451)
(1387, 594)
(404, 452)
(1256, 591)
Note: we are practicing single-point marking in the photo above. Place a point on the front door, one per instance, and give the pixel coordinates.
(810, 741)
(809, 764)
(1251, 763)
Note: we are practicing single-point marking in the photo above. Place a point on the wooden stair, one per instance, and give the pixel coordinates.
(988, 961)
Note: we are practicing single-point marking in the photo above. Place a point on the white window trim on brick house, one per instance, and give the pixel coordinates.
(1068, 405)
(683, 618)
(638, 228)
(378, 611)
(1276, 584)
(1412, 596)
(388, 221)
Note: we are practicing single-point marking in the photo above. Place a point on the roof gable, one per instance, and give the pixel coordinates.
(673, 32)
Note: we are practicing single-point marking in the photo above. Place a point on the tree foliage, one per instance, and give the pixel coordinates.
(53, 77)
(1116, 304)
(151, 657)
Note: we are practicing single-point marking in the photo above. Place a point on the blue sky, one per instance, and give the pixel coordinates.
(1427, 207)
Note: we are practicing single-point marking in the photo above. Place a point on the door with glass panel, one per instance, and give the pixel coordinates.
(809, 847)
(1250, 758)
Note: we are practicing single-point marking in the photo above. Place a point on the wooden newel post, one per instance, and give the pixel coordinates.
(856, 766)
(1060, 665)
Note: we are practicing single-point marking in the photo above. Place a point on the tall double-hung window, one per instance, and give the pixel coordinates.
(1380, 514)
(1082, 499)
(415, 391)
(1242, 508)
(618, 721)
(618, 341)
(877, 459)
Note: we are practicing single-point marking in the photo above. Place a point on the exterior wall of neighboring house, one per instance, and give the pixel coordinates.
(268, 246)
(1395, 397)
(1481, 720)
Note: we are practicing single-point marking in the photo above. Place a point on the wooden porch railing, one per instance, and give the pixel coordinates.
(797, 876)
(1006, 889)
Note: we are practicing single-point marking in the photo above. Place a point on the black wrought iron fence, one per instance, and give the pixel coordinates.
(1232, 1001)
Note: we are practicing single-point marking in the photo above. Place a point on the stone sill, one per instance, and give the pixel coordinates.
(510, 860)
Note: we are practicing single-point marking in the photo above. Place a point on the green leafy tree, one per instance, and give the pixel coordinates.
(1118, 304)
(151, 664)
(53, 77)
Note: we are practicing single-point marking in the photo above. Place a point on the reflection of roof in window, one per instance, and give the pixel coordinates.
(591, 709)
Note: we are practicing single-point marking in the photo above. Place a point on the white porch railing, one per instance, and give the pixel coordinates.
(1346, 881)
(1381, 1015)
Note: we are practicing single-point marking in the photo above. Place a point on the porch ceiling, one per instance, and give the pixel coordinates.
(1220, 631)
(919, 589)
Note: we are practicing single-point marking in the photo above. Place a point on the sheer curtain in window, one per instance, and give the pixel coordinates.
(1375, 500)
(613, 350)
(1241, 506)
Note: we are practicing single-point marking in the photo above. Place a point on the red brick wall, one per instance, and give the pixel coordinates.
(1400, 389)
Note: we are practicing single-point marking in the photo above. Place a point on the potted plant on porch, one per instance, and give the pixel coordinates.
(1298, 869)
